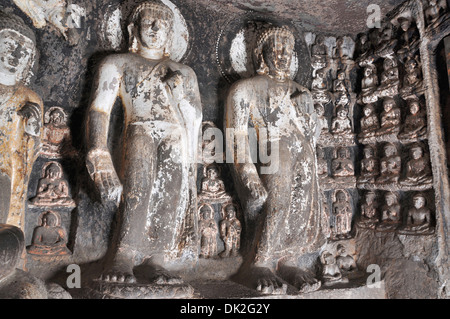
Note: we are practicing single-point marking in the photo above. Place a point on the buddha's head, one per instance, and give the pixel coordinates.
(368, 110)
(212, 172)
(414, 107)
(230, 211)
(151, 26)
(53, 171)
(17, 50)
(49, 219)
(274, 51)
(388, 104)
(391, 198)
(206, 212)
(405, 23)
(390, 150)
(368, 152)
(416, 152)
(370, 197)
(419, 201)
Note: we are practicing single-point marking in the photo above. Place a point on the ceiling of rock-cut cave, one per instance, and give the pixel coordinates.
(334, 16)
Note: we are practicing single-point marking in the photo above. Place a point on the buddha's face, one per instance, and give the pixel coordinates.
(320, 110)
(16, 51)
(341, 76)
(342, 113)
(416, 153)
(414, 108)
(368, 111)
(419, 202)
(340, 197)
(56, 117)
(154, 29)
(213, 173)
(411, 65)
(52, 172)
(389, 150)
(370, 198)
(390, 199)
(49, 220)
(405, 25)
(368, 152)
(231, 212)
(388, 105)
(368, 72)
(363, 39)
(388, 64)
(206, 212)
(432, 3)
(277, 53)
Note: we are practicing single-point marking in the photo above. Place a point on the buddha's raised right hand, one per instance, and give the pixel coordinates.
(102, 171)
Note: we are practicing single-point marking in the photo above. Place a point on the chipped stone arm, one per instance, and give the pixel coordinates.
(98, 160)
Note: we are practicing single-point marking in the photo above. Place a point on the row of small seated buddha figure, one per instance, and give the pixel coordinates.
(387, 170)
(417, 219)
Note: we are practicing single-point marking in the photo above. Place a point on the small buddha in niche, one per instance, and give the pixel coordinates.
(319, 49)
(341, 83)
(369, 85)
(369, 123)
(212, 186)
(319, 88)
(389, 80)
(369, 211)
(322, 120)
(342, 165)
(49, 239)
(412, 83)
(208, 231)
(341, 124)
(390, 118)
(390, 213)
(344, 260)
(343, 216)
(418, 169)
(409, 36)
(370, 166)
(363, 50)
(53, 190)
(390, 165)
(418, 221)
(56, 141)
(230, 232)
(415, 125)
(330, 270)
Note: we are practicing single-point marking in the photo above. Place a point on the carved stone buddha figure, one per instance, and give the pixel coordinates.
(369, 123)
(433, 10)
(390, 213)
(389, 80)
(208, 232)
(20, 113)
(289, 225)
(415, 125)
(56, 139)
(341, 124)
(369, 85)
(412, 82)
(390, 165)
(418, 220)
(163, 118)
(418, 168)
(331, 273)
(53, 189)
(370, 166)
(342, 212)
(369, 211)
(230, 232)
(390, 118)
(342, 164)
(409, 36)
(49, 238)
(212, 186)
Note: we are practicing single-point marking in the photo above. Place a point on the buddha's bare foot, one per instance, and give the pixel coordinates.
(267, 282)
(303, 280)
(119, 272)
